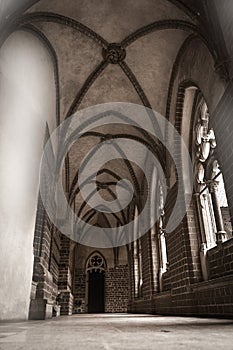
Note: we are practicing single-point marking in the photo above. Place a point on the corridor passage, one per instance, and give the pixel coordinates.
(117, 331)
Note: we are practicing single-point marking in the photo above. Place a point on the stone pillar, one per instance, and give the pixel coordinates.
(65, 278)
(23, 118)
(155, 260)
(140, 287)
(163, 256)
(203, 245)
(213, 188)
(43, 300)
(136, 269)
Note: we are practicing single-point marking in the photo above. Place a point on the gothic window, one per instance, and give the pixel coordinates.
(140, 267)
(136, 269)
(213, 209)
(137, 257)
(96, 263)
(158, 239)
(162, 237)
(154, 231)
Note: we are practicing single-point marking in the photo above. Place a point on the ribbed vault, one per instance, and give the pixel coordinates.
(128, 53)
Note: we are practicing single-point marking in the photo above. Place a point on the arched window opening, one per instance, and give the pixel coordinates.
(136, 269)
(154, 232)
(135, 255)
(162, 237)
(223, 203)
(213, 211)
(140, 268)
(96, 262)
(137, 259)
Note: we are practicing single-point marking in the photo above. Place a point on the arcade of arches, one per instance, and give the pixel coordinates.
(172, 56)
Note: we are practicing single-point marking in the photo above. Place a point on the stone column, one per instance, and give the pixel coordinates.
(203, 245)
(65, 278)
(155, 259)
(136, 269)
(213, 188)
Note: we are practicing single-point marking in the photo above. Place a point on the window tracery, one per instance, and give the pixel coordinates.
(96, 262)
(209, 184)
(162, 236)
(137, 257)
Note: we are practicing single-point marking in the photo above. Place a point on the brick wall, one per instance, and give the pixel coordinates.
(220, 260)
(55, 255)
(116, 289)
(66, 300)
(147, 274)
(46, 265)
(211, 298)
(80, 291)
(141, 306)
(46, 256)
(65, 277)
(184, 291)
(64, 281)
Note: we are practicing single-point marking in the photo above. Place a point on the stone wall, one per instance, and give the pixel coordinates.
(47, 245)
(184, 290)
(22, 122)
(80, 291)
(116, 289)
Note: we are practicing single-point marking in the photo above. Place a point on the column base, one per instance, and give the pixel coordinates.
(40, 309)
(66, 302)
(220, 236)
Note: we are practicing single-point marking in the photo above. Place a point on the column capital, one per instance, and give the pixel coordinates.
(162, 232)
(212, 185)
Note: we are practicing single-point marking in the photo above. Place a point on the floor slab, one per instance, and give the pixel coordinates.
(118, 331)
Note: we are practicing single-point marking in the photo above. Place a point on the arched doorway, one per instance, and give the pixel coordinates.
(96, 283)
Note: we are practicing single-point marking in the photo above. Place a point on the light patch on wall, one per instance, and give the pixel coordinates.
(27, 100)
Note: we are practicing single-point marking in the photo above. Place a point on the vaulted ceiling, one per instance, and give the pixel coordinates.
(110, 51)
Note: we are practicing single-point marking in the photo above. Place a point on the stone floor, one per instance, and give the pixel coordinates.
(118, 331)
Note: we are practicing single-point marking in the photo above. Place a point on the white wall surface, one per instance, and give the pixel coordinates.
(27, 100)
